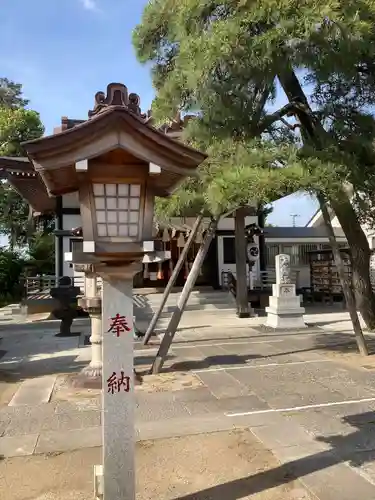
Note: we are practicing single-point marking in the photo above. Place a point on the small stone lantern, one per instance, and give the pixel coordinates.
(118, 163)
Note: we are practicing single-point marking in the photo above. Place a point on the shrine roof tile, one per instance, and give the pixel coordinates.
(301, 232)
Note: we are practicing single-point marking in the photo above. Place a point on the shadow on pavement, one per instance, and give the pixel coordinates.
(37, 368)
(226, 338)
(46, 324)
(196, 364)
(334, 342)
(331, 342)
(209, 361)
(356, 448)
(341, 342)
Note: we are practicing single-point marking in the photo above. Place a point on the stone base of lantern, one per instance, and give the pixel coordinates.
(284, 309)
(86, 381)
(91, 376)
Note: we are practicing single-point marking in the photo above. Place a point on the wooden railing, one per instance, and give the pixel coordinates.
(267, 278)
(39, 285)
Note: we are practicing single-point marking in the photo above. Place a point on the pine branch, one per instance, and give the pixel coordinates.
(289, 109)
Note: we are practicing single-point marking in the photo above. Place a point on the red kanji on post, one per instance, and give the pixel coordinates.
(115, 383)
(119, 324)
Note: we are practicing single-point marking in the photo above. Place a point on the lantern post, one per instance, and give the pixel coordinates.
(117, 217)
(118, 163)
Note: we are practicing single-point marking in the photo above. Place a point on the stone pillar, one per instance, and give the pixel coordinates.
(92, 303)
(116, 478)
(284, 309)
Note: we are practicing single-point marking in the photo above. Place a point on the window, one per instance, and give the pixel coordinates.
(76, 244)
(271, 252)
(303, 252)
(117, 209)
(229, 250)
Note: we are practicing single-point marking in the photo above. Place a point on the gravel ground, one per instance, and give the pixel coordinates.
(218, 466)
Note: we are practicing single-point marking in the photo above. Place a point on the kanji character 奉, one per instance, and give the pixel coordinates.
(119, 324)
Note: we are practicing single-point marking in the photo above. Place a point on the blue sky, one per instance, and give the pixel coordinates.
(64, 51)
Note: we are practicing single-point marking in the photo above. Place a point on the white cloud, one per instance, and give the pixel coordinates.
(89, 4)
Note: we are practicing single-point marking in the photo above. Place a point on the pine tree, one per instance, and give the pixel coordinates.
(223, 61)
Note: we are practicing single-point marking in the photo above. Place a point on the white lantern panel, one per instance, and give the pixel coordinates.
(123, 203)
(123, 217)
(134, 203)
(134, 217)
(112, 217)
(98, 189)
(112, 229)
(123, 230)
(123, 189)
(110, 189)
(100, 216)
(111, 203)
(133, 230)
(135, 190)
(117, 209)
(100, 203)
(102, 230)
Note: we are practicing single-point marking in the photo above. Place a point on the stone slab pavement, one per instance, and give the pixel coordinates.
(306, 395)
(223, 465)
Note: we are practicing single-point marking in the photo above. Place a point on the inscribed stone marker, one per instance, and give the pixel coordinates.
(282, 266)
(118, 390)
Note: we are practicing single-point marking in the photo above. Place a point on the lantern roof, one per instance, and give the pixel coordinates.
(117, 133)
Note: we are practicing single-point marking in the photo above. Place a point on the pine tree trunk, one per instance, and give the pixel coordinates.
(346, 282)
(360, 258)
(243, 310)
(313, 131)
(173, 278)
(184, 297)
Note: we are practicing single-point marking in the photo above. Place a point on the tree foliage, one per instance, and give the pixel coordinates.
(41, 254)
(221, 58)
(15, 265)
(15, 222)
(17, 125)
(11, 94)
(253, 172)
(11, 266)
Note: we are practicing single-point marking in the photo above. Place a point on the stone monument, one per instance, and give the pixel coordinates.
(284, 309)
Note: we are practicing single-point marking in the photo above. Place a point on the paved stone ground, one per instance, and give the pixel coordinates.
(307, 396)
(218, 465)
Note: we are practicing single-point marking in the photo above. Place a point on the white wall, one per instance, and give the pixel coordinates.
(70, 200)
(71, 221)
(227, 224)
